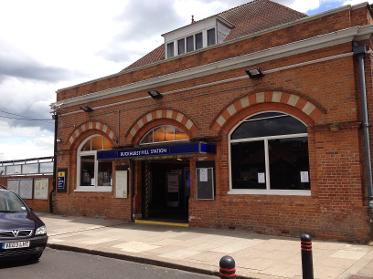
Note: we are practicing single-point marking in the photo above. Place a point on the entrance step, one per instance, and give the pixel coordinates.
(161, 223)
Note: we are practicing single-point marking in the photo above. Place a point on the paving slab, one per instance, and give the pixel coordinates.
(257, 256)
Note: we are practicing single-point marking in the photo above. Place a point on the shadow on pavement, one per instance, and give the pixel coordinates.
(16, 263)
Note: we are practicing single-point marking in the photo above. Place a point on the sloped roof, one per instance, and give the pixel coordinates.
(247, 18)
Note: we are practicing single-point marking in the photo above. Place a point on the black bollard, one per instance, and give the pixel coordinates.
(227, 268)
(307, 262)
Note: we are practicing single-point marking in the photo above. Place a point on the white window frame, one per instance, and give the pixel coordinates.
(268, 190)
(95, 188)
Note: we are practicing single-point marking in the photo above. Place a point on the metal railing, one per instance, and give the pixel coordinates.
(31, 166)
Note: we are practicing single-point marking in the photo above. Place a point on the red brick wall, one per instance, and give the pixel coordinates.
(337, 206)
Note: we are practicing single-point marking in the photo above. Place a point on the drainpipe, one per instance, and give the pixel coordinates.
(360, 52)
(53, 193)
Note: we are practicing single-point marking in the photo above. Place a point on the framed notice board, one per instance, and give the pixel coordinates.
(13, 185)
(25, 188)
(205, 180)
(41, 188)
(62, 180)
(121, 182)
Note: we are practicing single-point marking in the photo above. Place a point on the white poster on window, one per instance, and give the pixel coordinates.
(261, 177)
(304, 177)
(25, 189)
(121, 181)
(41, 189)
(203, 175)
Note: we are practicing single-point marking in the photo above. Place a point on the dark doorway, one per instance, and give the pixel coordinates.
(166, 185)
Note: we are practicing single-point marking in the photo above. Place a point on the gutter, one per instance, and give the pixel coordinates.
(360, 51)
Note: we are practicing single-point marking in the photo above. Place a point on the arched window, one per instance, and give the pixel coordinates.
(269, 154)
(165, 133)
(93, 175)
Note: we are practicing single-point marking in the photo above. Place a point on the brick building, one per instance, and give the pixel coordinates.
(252, 118)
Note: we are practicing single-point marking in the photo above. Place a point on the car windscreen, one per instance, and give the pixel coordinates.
(9, 202)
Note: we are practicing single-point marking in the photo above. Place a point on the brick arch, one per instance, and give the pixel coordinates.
(90, 126)
(166, 114)
(293, 101)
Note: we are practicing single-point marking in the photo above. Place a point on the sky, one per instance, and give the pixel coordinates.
(47, 45)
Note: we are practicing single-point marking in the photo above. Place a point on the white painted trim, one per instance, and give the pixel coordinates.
(270, 192)
(302, 135)
(310, 62)
(95, 189)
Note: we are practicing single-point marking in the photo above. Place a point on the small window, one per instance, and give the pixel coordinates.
(190, 43)
(170, 50)
(198, 41)
(211, 37)
(270, 152)
(181, 46)
(165, 133)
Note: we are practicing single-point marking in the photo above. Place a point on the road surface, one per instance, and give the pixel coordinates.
(56, 264)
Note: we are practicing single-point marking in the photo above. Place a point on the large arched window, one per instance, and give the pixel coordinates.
(269, 154)
(164, 133)
(93, 175)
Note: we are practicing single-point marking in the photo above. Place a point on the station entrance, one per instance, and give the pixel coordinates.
(165, 190)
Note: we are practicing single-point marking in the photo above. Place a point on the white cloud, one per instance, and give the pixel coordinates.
(24, 142)
(202, 9)
(354, 2)
(62, 33)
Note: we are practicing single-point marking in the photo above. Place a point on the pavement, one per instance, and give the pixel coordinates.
(199, 250)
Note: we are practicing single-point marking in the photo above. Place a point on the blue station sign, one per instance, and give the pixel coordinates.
(159, 150)
(61, 180)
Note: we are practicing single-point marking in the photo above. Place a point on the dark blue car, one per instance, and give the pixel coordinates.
(22, 234)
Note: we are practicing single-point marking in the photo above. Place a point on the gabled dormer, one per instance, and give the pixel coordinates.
(197, 35)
